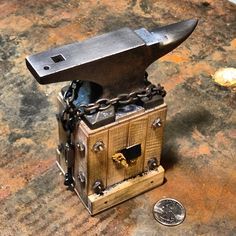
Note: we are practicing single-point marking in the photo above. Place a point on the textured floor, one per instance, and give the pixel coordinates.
(200, 142)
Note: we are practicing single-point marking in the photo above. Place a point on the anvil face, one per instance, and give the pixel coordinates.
(116, 61)
(48, 66)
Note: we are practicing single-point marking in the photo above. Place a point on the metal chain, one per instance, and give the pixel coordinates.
(72, 92)
(124, 99)
(72, 114)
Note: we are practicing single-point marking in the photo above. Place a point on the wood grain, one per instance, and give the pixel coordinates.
(99, 165)
(137, 135)
(125, 190)
(97, 161)
(118, 136)
(81, 164)
(154, 138)
(62, 136)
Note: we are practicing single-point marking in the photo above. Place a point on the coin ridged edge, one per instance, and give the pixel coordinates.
(166, 224)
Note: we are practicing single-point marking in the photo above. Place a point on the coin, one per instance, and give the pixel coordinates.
(169, 212)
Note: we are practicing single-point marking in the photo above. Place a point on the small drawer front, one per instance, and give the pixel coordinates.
(124, 136)
(137, 135)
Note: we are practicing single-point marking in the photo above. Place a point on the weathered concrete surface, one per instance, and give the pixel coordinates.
(199, 152)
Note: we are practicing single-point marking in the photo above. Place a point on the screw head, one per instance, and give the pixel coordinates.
(157, 123)
(99, 146)
(80, 146)
(152, 164)
(98, 187)
(81, 177)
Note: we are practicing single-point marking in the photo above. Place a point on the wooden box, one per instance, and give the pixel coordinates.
(119, 182)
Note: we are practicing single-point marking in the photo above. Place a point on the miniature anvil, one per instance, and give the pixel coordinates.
(111, 118)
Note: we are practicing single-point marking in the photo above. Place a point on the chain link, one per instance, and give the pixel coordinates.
(73, 114)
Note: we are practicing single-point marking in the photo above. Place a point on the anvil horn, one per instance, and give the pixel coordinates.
(174, 35)
(116, 61)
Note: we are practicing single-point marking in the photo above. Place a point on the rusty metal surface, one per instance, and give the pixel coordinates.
(199, 151)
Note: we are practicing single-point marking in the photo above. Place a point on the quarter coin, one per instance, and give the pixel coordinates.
(169, 212)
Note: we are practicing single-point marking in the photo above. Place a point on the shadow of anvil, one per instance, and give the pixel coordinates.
(116, 61)
(181, 127)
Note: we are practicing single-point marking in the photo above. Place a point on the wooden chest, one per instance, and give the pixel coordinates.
(98, 159)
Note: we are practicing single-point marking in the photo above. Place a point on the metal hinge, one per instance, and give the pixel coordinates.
(69, 153)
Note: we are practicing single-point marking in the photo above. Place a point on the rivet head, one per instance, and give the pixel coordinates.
(98, 187)
(80, 146)
(99, 146)
(81, 177)
(157, 123)
(152, 164)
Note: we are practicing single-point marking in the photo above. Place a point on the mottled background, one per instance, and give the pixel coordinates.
(199, 152)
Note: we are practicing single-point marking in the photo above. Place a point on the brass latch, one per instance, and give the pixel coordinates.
(127, 156)
(120, 159)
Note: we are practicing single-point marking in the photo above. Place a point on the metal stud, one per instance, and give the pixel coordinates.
(81, 177)
(98, 187)
(152, 164)
(99, 146)
(80, 146)
(157, 123)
